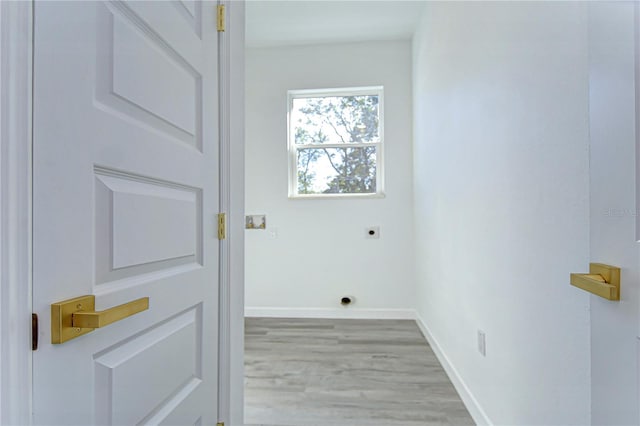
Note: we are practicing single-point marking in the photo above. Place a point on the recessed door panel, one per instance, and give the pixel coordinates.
(149, 228)
(144, 226)
(191, 12)
(138, 69)
(190, 6)
(146, 221)
(161, 366)
(141, 72)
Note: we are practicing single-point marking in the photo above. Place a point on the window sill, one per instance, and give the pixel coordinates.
(336, 196)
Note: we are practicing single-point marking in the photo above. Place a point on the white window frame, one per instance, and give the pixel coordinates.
(293, 147)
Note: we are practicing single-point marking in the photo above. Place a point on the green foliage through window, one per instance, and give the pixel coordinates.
(336, 141)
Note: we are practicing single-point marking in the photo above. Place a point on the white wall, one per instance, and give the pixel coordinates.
(614, 325)
(321, 252)
(501, 183)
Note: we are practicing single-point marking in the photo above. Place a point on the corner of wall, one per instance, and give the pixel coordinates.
(471, 403)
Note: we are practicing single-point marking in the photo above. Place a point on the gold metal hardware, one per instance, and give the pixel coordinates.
(75, 317)
(602, 280)
(221, 18)
(222, 226)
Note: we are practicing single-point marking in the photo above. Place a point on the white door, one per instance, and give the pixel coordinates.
(125, 197)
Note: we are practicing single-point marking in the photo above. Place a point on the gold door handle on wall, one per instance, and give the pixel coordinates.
(602, 280)
(75, 317)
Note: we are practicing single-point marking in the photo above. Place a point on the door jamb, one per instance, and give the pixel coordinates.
(236, 152)
(636, 37)
(16, 47)
(231, 356)
(224, 305)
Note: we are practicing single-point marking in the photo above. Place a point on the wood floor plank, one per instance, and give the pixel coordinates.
(307, 372)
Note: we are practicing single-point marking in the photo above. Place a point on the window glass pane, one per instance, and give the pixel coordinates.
(337, 170)
(335, 119)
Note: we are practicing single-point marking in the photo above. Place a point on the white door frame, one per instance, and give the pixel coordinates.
(231, 374)
(636, 13)
(16, 29)
(15, 212)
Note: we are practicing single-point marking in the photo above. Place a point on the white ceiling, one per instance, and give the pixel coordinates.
(299, 22)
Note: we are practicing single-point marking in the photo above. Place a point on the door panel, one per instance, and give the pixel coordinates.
(138, 366)
(141, 69)
(128, 244)
(125, 197)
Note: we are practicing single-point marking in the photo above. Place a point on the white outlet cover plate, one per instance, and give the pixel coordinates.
(482, 343)
(273, 233)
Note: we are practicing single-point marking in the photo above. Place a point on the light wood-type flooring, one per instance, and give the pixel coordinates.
(308, 372)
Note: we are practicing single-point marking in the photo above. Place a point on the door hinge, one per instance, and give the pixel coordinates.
(222, 226)
(221, 18)
(34, 332)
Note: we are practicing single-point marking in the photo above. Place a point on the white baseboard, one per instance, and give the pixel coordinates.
(340, 313)
(474, 408)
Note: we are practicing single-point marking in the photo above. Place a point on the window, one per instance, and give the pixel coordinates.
(335, 142)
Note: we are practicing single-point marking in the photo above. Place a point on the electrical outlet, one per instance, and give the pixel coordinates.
(372, 232)
(482, 343)
(273, 233)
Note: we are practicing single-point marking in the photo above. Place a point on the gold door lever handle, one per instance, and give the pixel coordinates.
(102, 318)
(75, 317)
(602, 280)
